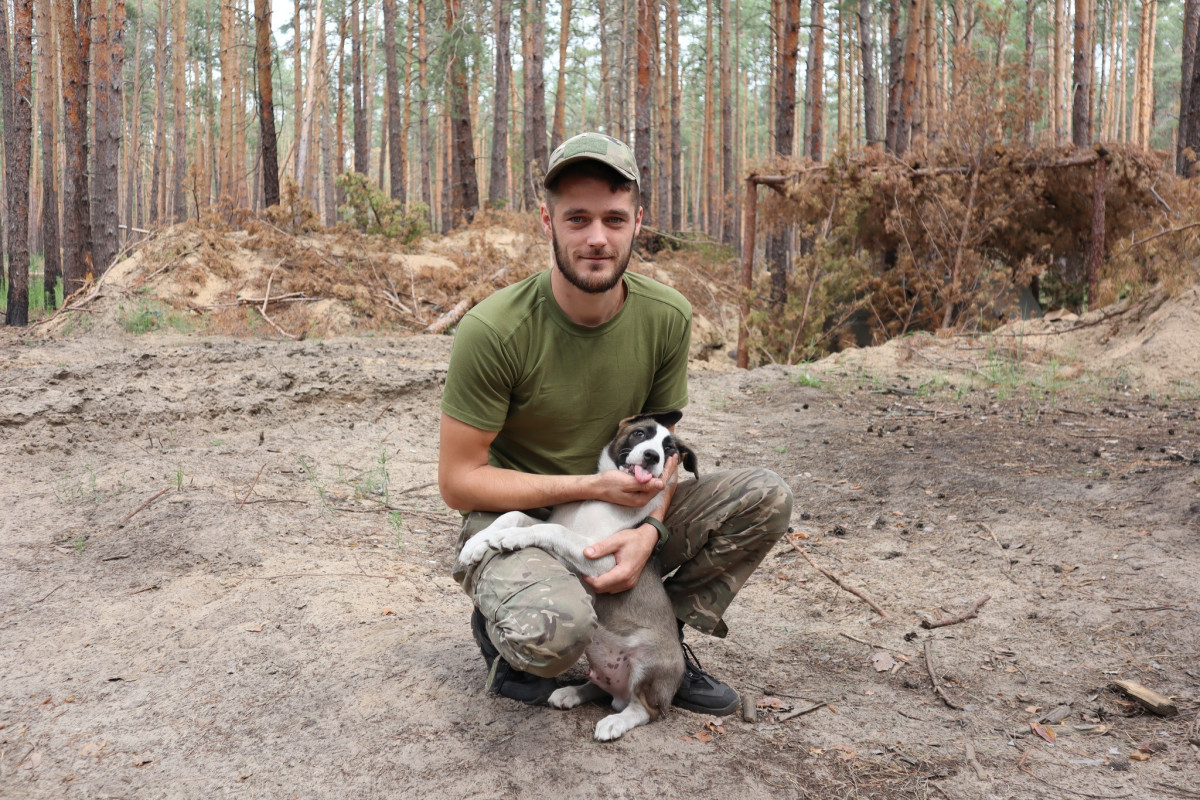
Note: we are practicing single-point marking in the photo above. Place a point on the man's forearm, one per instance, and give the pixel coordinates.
(488, 488)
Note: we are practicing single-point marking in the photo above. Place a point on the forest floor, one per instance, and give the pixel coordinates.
(224, 571)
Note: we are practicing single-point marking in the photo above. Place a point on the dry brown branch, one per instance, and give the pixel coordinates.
(267, 298)
(974, 762)
(251, 489)
(837, 581)
(937, 686)
(970, 613)
(452, 316)
(130, 515)
(799, 712)
(1148, 698)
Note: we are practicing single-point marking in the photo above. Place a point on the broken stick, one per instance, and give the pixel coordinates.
(452, 316)
(970, 613)
(129, 516)
(1150, 699)
(937, 687)
(837, 581)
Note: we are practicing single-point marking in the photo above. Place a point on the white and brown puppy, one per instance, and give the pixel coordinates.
(634, 654)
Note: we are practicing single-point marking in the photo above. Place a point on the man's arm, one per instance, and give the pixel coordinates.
(469, 483)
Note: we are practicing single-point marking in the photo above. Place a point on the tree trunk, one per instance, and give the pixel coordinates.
(357, 90)
(1029, 109)
(297, 87)
(18, 138)
(709, 181)
(560, 94)
(785, 131)
(908, 91)
(498, 175)
(107, 68)
(676, 131)
(158, 155)
(1081, 106)
(895, 78)
(816, 84)
(646, 20)
(1058, 72)
(464, 191)
(1192, 124)
(728, 182)
(133, 147)
(266, 105)
(74, 36)
(869, 79)
(304, 174)
(395, 129)
(1191, 22)
(426, 158)
(48, 96)
(534, 133)
(226, 191)
(179, 175)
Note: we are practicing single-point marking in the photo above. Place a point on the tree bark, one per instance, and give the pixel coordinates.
(785, 131)
(464, 189)
(18, 138)
(498, 174)
(426, 158)
(558, 133)
(357, 90)
(109, 58)
(395, 128)
(1081, 105)
(74, 35)
(266, 103)
(646, 19)
(48, 96)
(1029, 110)
(728, 182)
(708, 178)
(304, 174)
(895, 79)
(1192, 127)
(676, 130)
(816, 84)
(1191, 23)
(866, 46)
(226, 190)
(534, 134)
(158, 155)
(908, 92)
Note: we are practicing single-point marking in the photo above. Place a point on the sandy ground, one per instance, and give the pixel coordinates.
(225, 572)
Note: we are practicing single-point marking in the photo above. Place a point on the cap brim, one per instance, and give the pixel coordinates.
(566, 162)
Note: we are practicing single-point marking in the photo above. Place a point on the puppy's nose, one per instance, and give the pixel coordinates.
(650, 458)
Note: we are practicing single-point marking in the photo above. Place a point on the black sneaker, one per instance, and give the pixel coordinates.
(701, 692)
(505, 679)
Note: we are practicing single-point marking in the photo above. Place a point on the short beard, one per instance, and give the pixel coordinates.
(588, 283)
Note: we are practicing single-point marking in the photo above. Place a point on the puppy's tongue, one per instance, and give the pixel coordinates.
(641, 474)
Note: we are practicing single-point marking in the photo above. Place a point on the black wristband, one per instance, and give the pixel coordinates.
(663, 533)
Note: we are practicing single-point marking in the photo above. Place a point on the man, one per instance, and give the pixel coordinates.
(540, 374)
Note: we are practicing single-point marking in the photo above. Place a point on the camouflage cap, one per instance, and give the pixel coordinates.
(593, 147)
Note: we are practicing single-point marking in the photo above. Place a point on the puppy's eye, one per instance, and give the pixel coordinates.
(638, 435)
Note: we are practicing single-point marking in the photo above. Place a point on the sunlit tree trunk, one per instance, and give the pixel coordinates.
(642, 147)
(709, 183)
(158, 155)
(816, 85)
(226, 190)
(297, 86)
(534, 130)
(676, 106)
(1081, 101)
(305, 175)
(728, 178)
(908, 91)
(426, 159)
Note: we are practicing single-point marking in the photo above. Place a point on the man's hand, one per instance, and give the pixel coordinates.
(634, 546)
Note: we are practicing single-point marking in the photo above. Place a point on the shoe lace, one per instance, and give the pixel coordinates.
(692, 665)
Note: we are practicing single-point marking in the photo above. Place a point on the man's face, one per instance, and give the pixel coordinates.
(591, 231)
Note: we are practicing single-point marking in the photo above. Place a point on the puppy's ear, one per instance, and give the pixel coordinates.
(668, 419)
(687, 457)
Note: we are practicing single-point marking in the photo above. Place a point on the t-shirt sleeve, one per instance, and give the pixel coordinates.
(670, 389)
(480, 378)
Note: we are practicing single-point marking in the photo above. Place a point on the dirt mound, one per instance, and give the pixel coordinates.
(1147, 346)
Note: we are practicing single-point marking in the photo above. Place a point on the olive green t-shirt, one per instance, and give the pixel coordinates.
(555, 390)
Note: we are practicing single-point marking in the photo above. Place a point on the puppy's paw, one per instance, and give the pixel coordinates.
(612, 727)
(476, 548)
(567, 697)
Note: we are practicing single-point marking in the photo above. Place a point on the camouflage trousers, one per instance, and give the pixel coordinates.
(540, 616)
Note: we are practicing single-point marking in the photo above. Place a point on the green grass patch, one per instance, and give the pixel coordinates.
(150, 315)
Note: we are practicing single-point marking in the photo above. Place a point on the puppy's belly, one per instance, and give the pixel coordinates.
(612, 660)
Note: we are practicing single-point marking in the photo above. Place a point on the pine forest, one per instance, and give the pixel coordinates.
(123, 117)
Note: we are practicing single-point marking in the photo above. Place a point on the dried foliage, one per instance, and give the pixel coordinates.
(965, 231)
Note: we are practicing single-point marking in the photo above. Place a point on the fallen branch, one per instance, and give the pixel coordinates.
(937, 687)
(970, 613)
(251, 489)
(130, 515)
(1148, 698)
(452, 316)
(263, 310)
(799, 712)
(980, 773)
(837, 581)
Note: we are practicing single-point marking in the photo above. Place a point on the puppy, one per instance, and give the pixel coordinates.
(634, 655)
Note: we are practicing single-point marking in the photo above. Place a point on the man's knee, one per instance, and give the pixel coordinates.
(776, 502)
(542, 627)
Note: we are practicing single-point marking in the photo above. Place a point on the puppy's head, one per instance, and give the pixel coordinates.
(643, 444)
